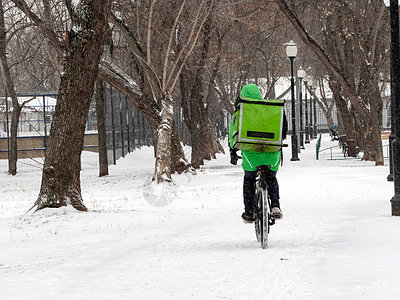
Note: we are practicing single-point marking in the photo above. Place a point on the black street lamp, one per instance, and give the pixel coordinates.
(291, 52)
(392, 92)
(311, 113)
(392, 128)
(395, 102)
(306, 112)
(315, 111)
(301, 74)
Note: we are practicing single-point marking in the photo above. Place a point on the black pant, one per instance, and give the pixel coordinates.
(249, 182)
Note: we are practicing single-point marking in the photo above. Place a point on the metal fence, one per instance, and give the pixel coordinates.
(126, 128)
(321, 125)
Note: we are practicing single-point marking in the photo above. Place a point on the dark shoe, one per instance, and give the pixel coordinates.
(248, 217)
(276, 213)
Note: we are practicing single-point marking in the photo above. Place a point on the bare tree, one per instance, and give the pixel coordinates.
(12, 156)
(357, 29)
(247, 50)
(81, 50)
(25, 67)
(163, 74)
(196, 101)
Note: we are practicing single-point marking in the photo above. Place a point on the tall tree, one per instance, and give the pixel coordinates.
(195, 102)
(162, 71)
(81, 52)
(12, 157)
(17, 107)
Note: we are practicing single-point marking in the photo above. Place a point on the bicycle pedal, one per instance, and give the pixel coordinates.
(277, 216)
(247, 222)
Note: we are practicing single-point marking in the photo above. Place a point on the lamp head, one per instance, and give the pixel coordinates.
(291, 49)
(301, 74)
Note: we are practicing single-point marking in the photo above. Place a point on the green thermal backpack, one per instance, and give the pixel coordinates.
(258, 124)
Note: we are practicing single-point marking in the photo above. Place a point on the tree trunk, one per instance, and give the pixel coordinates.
(101, 128)
(347, 120)
(12, 155)
(373, 148)
(163, 168)
(328, 115)
(61, 172)
(203, 138)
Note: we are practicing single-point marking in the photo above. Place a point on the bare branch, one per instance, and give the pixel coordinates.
(325, 59)
(137, 51)
(27, 101)
(171, 36)
(50, 34)
(192, 46)
(149, 32)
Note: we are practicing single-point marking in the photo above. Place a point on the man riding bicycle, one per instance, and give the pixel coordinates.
(250, 161)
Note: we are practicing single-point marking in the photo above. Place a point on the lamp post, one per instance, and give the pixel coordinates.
(291, 52)
(315, 110)
(306, 112)
(395, 102)
(301, 74)
(392, 93)
(311, 113)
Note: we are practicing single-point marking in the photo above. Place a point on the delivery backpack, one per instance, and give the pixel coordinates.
(258, 124)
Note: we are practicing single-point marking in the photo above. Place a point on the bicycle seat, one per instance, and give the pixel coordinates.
(263, 167)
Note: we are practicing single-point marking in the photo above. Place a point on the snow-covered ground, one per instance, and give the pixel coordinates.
(337, 239)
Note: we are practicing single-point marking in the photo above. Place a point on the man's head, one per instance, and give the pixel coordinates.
(251, 91)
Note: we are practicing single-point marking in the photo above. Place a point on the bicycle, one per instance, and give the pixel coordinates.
(262, 207)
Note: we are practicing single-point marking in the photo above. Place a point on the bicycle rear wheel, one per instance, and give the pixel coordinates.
(258, 210)
(262, 207)
(264, 220)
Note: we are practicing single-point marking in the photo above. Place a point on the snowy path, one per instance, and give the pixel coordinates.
(336, 240)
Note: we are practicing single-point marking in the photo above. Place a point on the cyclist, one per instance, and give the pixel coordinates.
(250, 161)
